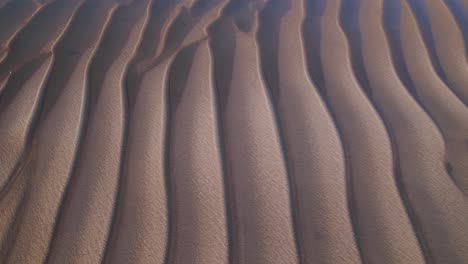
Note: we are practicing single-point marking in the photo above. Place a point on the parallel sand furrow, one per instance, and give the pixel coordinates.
(156, 46)
(349, 16)
(311, 29)
(316, 175)
(233, 131)
(162, 15)
(141, 216)
(188, 24)
(99, 160)
(421, 16)
(349, 22)
(199, 232)
(14, 16)
(40, 35)
(182, 24)
(14, 123)
(222, 70)
(53, 152)
(76, 207)
(17, 113)
(460, 13)
(137, 68)
(18, 202)
(447, 111)
(412, 63)
(261, 221)
(449, 46)
(311, 34)
(419, 145)
(384, 231)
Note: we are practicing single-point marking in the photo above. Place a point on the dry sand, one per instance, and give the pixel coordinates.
(233, 131)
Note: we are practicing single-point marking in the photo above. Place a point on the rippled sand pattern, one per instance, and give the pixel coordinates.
(235, 131)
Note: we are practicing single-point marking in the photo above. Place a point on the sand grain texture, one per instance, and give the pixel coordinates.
(233, 131)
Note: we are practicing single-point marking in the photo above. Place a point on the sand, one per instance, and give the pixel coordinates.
(233, 131)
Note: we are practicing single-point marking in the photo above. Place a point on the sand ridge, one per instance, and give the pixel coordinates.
(233, 131)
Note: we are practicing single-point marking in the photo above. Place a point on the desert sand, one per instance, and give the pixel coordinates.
(233, 131)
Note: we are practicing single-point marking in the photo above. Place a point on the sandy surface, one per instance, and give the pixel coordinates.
(236, 131)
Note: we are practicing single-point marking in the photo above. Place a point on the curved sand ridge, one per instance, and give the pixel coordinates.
(233, 131)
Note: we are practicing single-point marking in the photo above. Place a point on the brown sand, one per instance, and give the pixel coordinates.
(419, 147)
(233, 131)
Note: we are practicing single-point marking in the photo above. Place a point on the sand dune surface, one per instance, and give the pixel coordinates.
(233, 131)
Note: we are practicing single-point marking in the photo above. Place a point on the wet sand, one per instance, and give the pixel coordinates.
(233, 131)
